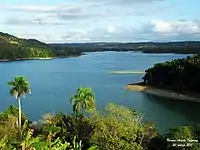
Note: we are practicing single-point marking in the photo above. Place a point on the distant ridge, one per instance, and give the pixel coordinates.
(14, 48)
(182, 47)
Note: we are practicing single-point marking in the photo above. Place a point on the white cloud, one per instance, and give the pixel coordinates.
(36, 20)
(153, 31)
(123, 2)
(58, 14)
(111, 29)
(94, 20)
(32, 8)
(84, 10)
(176, 27)
(65, 7)
(76, 36)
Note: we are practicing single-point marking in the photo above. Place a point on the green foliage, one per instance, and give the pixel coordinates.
(27, 141)
(77, 145)
(93, 148)
(13, 48)
(179, 74)
(84, 99)
(69, 127)
(3, 142)
(182, 135)
(14, 111)
(9, 127)
(53, 145)
(183, 132)
(19, 86)
(116, 129)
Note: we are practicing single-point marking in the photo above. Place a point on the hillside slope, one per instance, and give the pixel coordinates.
(13, 48)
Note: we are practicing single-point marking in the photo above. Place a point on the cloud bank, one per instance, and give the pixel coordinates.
(98, 21)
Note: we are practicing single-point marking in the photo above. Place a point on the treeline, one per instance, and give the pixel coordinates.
(179, 74)
(187, 47)
(117, 128)
(13, 48)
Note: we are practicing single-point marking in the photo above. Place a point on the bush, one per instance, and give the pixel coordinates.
(117, 129)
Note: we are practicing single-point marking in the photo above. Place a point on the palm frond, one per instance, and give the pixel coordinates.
(11, 83)
(83, 99)
(13, 91)
(20, 86)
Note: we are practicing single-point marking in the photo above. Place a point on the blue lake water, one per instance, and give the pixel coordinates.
(53, 82)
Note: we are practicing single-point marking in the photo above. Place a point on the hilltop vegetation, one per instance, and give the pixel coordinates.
(13, 48)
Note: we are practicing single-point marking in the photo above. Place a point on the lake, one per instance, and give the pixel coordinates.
(53, 82)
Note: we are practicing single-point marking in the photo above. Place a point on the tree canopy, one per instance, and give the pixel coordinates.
(13, 48)
(179, 74)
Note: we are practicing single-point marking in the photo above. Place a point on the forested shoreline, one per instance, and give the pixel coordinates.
(13, 48)
(179, 74)
(184, 47)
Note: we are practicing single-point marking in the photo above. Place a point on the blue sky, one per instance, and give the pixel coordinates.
(101, 20)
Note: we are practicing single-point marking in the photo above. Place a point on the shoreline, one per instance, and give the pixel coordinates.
(127, 72)
(140, 87)
(36, 58)
(21, 59)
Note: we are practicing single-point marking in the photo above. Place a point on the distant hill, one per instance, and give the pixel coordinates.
(14, 48)
(186, 47)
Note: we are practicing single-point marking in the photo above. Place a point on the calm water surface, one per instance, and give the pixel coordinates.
(54, 81)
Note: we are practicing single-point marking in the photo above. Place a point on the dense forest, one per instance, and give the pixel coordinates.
(187, 47)
(86, 128)
(179, 74)
(13, 48)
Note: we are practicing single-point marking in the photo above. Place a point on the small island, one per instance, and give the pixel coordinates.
(177, 79)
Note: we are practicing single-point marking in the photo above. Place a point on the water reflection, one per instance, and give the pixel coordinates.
(190, 110)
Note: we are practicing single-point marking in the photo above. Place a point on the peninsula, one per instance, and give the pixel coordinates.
(177, 79)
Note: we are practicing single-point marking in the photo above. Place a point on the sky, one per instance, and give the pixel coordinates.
(72, 21)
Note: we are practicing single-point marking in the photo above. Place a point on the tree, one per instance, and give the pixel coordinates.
(19, 87)
(182, 135)
(117, 128)
(176, 74)
(84, 99)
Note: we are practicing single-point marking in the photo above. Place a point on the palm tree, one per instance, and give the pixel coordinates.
(84, 99)
(19, 87)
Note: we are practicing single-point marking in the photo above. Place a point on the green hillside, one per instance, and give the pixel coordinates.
(13, 48)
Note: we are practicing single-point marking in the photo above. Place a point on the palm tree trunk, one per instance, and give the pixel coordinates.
(20, 114)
